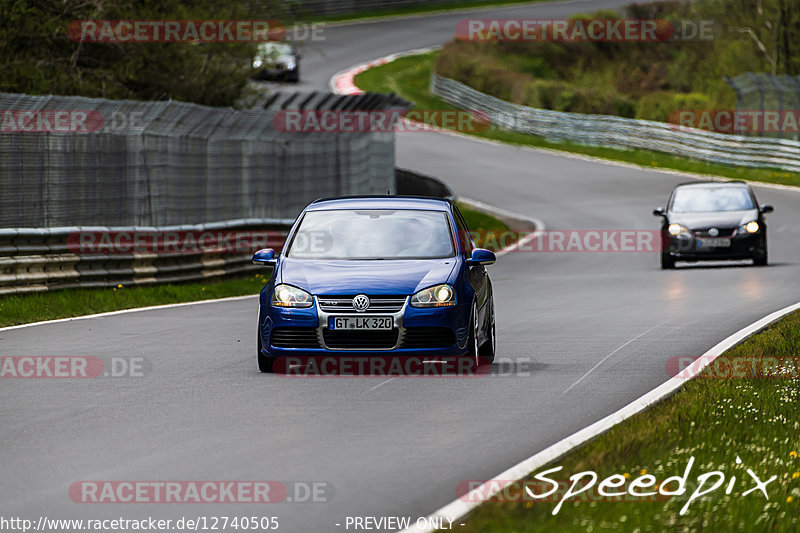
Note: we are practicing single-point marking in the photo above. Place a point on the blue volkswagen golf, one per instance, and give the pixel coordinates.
(395, 276)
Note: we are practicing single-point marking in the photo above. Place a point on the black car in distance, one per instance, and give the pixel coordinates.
(712, 220)
(277, 60)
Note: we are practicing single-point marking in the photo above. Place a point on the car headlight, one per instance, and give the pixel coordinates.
(437, 296)
(257, 63)
(750, 227)
(676, 229)
(288, 296)
(291, 65)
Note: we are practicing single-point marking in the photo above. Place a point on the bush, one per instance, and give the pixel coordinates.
(646, 80)
(39, 58)
(660, 105)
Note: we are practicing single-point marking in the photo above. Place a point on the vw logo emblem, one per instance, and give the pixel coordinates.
(361, 303)
(713, 232)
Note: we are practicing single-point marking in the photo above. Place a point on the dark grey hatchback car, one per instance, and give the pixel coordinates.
(712, 220)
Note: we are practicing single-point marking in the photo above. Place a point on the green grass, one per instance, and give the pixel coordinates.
(34, 307)
(480, 221)
(412, 10)
(409, 77)
(715, 420)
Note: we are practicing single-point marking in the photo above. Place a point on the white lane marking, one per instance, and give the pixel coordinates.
(603, 360)
(123, 311)
(537, 223)
(458, 508)
(376, 387)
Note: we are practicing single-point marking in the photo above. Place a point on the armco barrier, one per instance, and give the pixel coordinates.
(35, 260)
(607, 130)
(413, 183)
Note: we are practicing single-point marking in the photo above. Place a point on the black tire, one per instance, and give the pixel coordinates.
(487, 350)
(667, 262)
(762, 260)
(472, 343)
(265, 364)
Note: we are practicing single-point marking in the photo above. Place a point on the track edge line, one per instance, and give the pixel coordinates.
(459, 507)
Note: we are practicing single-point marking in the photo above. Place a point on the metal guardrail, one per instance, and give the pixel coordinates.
(37, 260)
(410, 182)
(607, 130)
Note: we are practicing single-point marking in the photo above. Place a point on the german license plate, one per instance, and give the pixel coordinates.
(713, 243)
(361, 322)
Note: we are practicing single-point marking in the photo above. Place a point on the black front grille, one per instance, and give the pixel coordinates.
(377, 304)
(722, 232)
(360, 340)
(429, 338)
(294, 338)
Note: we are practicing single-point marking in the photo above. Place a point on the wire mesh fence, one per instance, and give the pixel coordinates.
(70, 161)
(606, 130)
(763, 93)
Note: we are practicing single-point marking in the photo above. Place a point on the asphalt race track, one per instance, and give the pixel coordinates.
(582, 334)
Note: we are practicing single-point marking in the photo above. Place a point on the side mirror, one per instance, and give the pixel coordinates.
(265, 256)
(658, 212)
(766, 208)
(481, 256)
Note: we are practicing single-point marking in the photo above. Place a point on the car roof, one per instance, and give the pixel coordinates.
(380, 202)
(706, 184)
(267, 45)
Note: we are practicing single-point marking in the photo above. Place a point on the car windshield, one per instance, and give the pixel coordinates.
(373, 234)
(710, 199)
(274, 49)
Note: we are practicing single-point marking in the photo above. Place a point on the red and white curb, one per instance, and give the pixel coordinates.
(342, 82)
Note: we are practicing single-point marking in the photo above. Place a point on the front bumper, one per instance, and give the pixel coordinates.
(275, 73)
(688, 248)
(306, 332)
